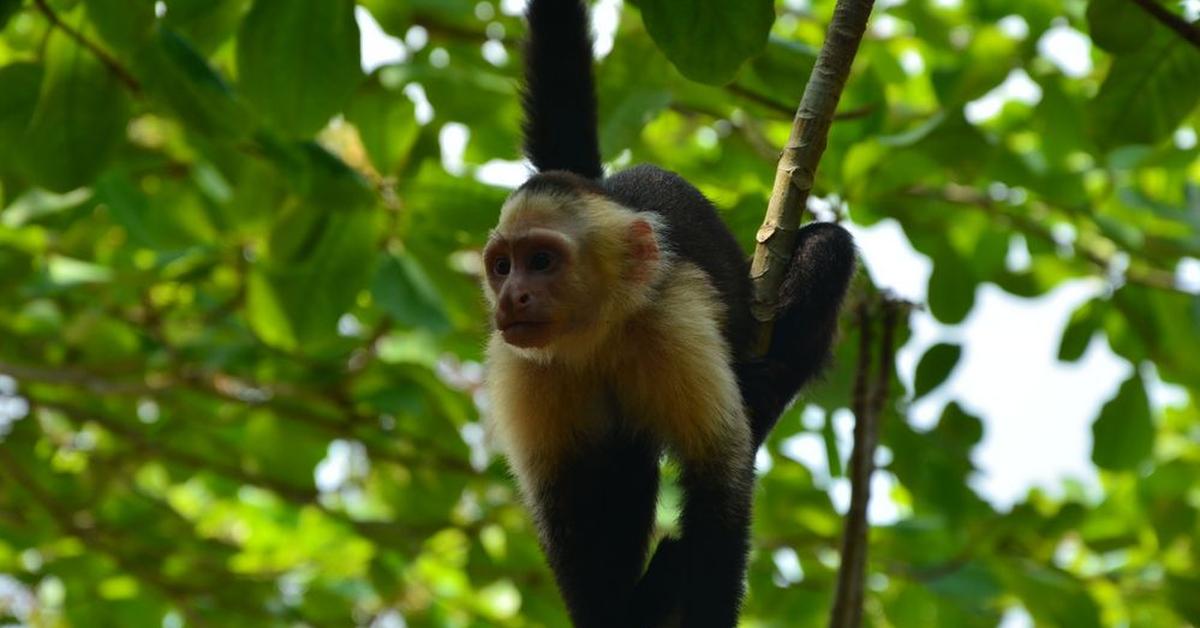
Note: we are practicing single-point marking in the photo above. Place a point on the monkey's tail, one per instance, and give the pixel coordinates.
(559, 98)
(810, 298)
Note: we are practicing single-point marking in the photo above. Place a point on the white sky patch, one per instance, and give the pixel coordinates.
(912, 62)
(452, 138)
(1187, 275)
(787, 562)
(390, 618)
(1014, 26)
(1016, 617)
(424, 110)
(1068, 49)
(512, 7)
(1185, 138)
(494, 53)
(606, 16)
(439, 58)
(948, 4)
(885, 26)
(1037, 411)
(334, 469)
(377, 47)
(160, 9)
(1018, 259)
(506, 174)
(1016, 86)
(416, 38)
(882, 510)
(891, 260)
(1191, 10)
(484, 11)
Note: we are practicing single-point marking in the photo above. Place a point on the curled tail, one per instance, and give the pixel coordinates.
(559, 98)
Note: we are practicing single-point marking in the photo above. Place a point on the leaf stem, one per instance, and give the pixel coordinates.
(1185, 29)
(103, 56)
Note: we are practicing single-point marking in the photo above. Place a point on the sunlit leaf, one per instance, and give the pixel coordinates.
(298, 61)
(935, 366)
(733, 31)
(1123, 434)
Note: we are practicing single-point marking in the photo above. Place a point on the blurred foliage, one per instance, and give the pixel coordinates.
(240, 328)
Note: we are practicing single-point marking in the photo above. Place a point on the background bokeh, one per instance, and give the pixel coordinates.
(240, 328)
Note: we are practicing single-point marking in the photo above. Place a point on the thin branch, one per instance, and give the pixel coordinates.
(870, 399)
(794, 176)
(855, 527)
(108, 60)
(1187, 30)
(1097, 256)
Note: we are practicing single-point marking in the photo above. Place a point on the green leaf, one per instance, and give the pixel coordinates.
(79, 120)
(7, 9)
(20, 84)
(1118, 25)
(122, 23)
(732, 31)
(935, 366)
(314, 251)
(1076, 337)
(182, 79)
(205, 23)
(298, 61)
(387, 124)
(1147, 93)
(1123, 434)
(988, 60)
(404, 291)
(951, 290)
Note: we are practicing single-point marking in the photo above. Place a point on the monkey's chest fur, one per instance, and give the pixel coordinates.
(664, 376)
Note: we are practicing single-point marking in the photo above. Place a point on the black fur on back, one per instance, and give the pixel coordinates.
(559, 98)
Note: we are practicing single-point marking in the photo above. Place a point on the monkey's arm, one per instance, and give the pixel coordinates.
(684, 381)
(595, 517)
(590, 485)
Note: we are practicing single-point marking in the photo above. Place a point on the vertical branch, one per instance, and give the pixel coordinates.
(798, 164)
(870, 398)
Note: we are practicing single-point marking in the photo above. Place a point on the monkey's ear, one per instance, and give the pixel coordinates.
(643, 249)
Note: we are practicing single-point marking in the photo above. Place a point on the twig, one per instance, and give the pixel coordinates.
(108, 60)
(870, 399)
(1185, 29)
(1148, 276)
(794, 176)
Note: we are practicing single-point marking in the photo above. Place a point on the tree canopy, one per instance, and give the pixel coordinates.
(240, 326)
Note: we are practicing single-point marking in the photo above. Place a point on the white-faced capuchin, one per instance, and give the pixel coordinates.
(622, 331)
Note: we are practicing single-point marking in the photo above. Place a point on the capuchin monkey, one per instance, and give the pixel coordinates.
(622, 332)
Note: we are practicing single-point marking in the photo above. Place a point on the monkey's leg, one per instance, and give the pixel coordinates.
(810, 298)
(715, 539)
(595, 518)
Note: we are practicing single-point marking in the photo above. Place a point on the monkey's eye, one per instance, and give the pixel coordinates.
(541, 261)
(501, 266)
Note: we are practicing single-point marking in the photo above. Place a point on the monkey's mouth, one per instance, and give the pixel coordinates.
(526, 334)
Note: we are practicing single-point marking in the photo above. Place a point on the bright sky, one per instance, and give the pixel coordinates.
(1037, 412)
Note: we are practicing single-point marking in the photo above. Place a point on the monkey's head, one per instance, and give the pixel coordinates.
(566, 264)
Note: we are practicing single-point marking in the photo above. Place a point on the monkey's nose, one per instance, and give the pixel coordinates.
(524, 299)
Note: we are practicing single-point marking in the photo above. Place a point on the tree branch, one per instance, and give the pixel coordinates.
(798, 164)
(108, 60)
(1185, 29)
(870, 399)
(1098, 256)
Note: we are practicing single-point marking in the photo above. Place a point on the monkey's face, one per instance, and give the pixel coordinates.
(531, 281)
